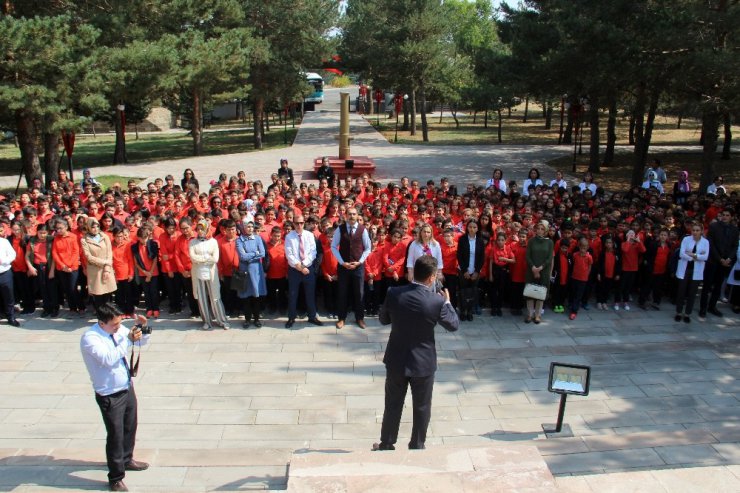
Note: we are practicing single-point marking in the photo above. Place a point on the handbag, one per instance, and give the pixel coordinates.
(239, 280)
(535, 291)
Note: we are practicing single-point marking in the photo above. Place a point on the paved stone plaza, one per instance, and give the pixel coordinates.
(224, 410)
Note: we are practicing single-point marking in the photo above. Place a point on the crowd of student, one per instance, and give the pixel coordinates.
(225, 249)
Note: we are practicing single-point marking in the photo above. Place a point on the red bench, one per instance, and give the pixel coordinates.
(360, 166)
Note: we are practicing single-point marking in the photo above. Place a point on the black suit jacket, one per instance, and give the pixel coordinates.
(463, 253)
(414, 311)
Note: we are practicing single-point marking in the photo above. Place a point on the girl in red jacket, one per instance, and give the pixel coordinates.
(632, 248)
(373, 277)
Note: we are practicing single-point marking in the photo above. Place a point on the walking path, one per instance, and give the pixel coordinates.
(224, 410)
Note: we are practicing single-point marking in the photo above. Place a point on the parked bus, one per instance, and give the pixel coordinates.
(318, 95)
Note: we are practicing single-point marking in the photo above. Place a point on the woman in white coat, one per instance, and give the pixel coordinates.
(693, 255)
(734, 280)
(206, 286)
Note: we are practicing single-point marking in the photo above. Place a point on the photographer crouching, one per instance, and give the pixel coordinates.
(104, 349)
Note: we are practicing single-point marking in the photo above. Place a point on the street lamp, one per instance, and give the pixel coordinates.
(398, 101)
(585, 107)
(563, 107)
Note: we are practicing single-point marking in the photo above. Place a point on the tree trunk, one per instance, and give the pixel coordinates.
(611, 132)
(51, 157)
(638, 117)
(424, 125)
(485, 118)
(453, 110)
(413, 112)
(27, 136)
(257, 111)
(548, 116)
(499, 125)
(727, 144)
(475, 116)
(197, 125)
(593, 119)
(509, 112)
(266, 121)
(441, 111)
(405, 126)
(568, 134)
(526, 109)
(710, 126)
(136, 130)
(680, 120)
(119, 153)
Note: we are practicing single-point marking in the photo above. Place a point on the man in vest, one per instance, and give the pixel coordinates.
(351, 247)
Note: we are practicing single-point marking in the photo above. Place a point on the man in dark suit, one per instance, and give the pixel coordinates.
(411, 356)
(470, 250)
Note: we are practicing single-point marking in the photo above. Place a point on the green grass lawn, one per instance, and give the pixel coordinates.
(98, 151)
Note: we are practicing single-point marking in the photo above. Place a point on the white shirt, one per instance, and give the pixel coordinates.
(560, 184)
(7, 255)
(292, 248)
(416, 251)
(204, 255)
(591, 186)
(367, 246)
(471, 261)
(105, 361)
(501, 184)
(527, 183)
(702, 254)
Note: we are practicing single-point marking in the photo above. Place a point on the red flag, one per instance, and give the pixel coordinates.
(334, 71)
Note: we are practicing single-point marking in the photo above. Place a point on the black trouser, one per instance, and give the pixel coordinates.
(6, 292)
(68, 283)
(277, 294)
(24, 291)
(653, 283)
(467, 295)
(714, 277)
(187, 288)
(251, 308)
(151, 294)
(604, 289)
(625, 286)
(497, 287)
(577, 288)
(329, 294)
(119, 416)
(372, 295)
(174, 290)
(46, 288)
(390, 283)
(396, 384)
(351, 281)
(452, 282)
(559, 293)
(124, 298)
(517, 296)
(687, 289)
(228, 296)
(99, 299)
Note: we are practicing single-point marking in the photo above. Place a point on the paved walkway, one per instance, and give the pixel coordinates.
(224, 410)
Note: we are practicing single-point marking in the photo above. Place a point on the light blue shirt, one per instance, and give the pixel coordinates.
(105, 361)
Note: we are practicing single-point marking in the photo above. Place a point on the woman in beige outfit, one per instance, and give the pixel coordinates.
(204, 274)
(96, 248)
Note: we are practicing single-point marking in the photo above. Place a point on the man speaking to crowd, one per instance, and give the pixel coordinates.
(104, 347)
(411, 355)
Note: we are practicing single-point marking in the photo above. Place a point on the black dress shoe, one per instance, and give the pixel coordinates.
(383, 446)
(715, 312)
(117, 486)
(14, 322)
(257, 324)
(289, 323)
(246, 324)
(315, 321)
(27, 312)
(686, 319)
(137, 465)
(677, 318)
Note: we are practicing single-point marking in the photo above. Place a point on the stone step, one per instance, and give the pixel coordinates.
(503, 468)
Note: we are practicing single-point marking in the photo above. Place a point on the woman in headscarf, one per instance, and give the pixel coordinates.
(652, 181)
(97, 249)
(539, 267)
(251, 250)
(682, 188)
(204, 274)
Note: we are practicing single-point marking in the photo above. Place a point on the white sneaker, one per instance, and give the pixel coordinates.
(626, 307)
(616, 307)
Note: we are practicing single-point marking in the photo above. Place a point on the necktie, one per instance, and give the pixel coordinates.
(351, 230)
(123, 358)
(301, 250)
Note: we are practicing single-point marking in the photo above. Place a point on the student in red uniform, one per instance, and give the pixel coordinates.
(609, 270)
(168, 265)
(184, 264)
(449, 260)
(40, 268)
(277, 274)
(518, 272)
(146, 254)
(499, 259)
(656, 257)
(394, 260)
(21, 281)
(560, 274)
(123, 269)
(328, 282)
(228, 261)
(66, 254)
(373, 277)
(580, 270)
(632, 248)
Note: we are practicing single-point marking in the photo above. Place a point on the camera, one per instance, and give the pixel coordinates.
(438, 287)
(144, 330)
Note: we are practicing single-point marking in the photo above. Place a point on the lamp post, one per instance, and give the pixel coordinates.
(378, 99)
(285, 126)
(576, 116)
(398, 101)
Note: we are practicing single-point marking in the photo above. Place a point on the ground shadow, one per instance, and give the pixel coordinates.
(48, 471)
